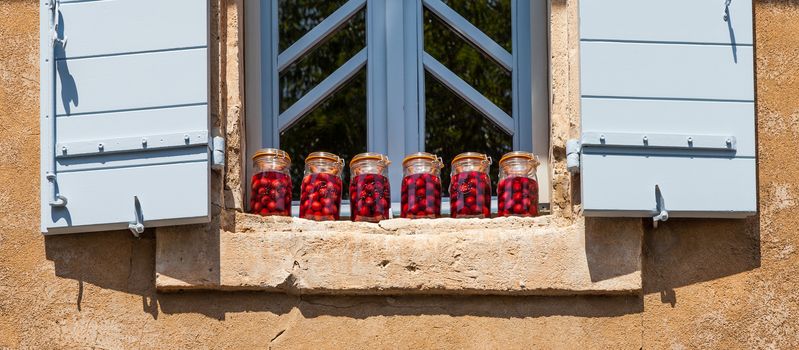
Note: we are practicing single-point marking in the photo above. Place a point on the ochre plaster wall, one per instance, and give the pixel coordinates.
(707, 283)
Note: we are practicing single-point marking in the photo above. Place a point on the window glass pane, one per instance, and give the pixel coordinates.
(453, 126)
(492, 17)
(338, 125)
(302, 76)
(470, 64)
(297, 17)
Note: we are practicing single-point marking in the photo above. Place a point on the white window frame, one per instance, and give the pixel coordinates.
(395, 96)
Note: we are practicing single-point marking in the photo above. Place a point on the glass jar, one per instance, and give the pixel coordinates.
(421, 186)
(517, 192)
(370, 193)
(470, 186)
(320, 197)
(271, 184)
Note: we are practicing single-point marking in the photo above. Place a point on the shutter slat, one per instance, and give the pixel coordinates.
(668, 21)
(141, 80)
(130, 123)
(667, 71)
(124, 26)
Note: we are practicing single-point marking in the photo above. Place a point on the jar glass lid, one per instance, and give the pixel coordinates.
(273, 152)
(520, 155)
(472, 155)
(424, 156)
(370, 156)
(324, 155)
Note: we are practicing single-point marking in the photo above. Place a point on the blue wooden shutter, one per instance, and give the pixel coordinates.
(668, 103)
(124, 114)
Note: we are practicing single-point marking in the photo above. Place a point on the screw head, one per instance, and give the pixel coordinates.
(64, 149)
(100, 146)
(144, 141)
(186, 137)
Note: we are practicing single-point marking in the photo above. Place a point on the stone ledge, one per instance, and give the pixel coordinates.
(502, 256)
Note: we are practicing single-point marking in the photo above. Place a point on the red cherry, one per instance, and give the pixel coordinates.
(470, 201)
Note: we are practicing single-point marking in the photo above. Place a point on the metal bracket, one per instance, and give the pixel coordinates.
(137, 226)
(660, 208)
(573, 147)
(218, 153)
(664, 141)
(129, 144)
(56, 198)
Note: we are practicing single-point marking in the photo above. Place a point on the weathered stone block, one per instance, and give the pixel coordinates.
(503, 256)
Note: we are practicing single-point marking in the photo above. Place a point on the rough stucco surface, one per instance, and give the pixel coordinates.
(707, 283)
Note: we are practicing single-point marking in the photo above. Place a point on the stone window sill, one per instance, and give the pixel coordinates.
(501, 256)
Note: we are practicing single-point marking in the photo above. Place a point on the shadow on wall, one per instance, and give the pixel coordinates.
(682, 252)
(612, 247)
(112, 260)
(118, 261)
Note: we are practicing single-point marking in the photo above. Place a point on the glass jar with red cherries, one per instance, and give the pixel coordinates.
(370, 193)
(421, 186)
(470, 186)
(517, 192)
(320, 197)
(271, 184)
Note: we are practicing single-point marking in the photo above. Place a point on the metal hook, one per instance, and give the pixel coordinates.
(55, 7)
(660, 208)
(137, 226)
(58, 199)
(727, 10)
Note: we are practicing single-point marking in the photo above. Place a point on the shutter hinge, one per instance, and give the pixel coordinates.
(573, 147)
(218, 153)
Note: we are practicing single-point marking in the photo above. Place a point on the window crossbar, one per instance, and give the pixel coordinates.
(469, 93)
(321, 91)
(474, 35)
(322, 31)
